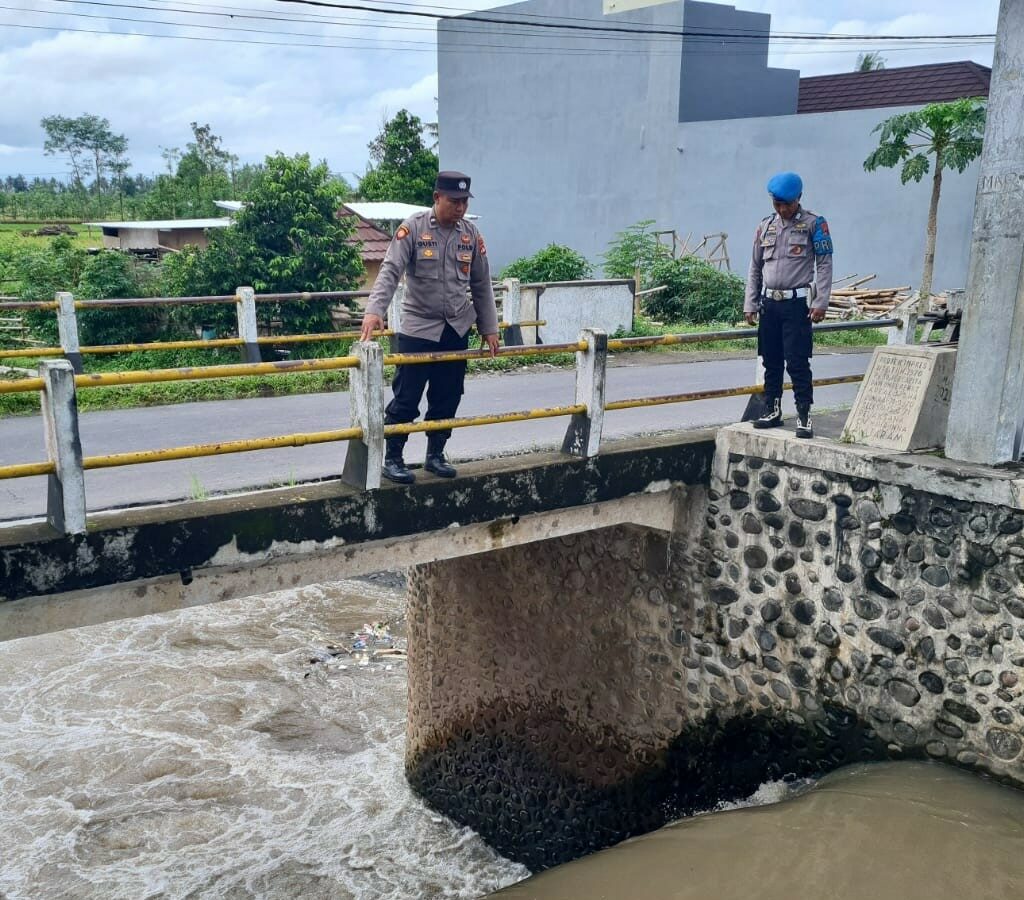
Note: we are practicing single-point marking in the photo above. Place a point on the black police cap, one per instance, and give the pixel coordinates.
(453, 184)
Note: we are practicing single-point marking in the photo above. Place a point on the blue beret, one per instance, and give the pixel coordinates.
(786, 186)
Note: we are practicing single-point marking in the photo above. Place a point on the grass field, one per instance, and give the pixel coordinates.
(84, 236)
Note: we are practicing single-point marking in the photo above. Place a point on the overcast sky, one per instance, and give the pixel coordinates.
(328, 101)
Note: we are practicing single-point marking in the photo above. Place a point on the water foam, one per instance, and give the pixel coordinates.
(221, 752)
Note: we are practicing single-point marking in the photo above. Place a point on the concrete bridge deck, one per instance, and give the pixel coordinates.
(147, 559)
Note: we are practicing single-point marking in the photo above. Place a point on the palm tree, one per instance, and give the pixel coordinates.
(869, 62)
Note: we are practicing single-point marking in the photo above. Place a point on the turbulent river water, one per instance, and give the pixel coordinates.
(227, 752)
(255, 749)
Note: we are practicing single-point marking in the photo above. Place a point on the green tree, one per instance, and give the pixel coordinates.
(203, 172)
(90, 145)
(950, 133)
(286, 238)
(869, 62)
(695, 292)
(636, 248)
(404, 170)
(112, 274)
(70, 137)
(37, 274)
(553, 263)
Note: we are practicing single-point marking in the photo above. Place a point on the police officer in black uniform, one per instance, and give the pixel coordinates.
(448, 290)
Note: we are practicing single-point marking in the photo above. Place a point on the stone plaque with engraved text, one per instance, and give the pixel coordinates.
(903, 402)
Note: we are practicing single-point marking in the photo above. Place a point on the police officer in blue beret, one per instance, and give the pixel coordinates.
(788, 288)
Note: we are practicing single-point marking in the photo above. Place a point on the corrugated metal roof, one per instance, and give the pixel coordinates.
(165, 224)
(905, 86)
(229, 205)
(385, 211)
(374, 240)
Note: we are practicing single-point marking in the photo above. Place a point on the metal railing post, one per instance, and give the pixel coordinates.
(583, 436)
(394, 321)
(365, 456)
(67, 328)
(245, 307)
(65, 501)
(511, 312)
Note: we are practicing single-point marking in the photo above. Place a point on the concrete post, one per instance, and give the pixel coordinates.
(394, 321)
(583, 436)
(365, 457)
(987, 408)
(245, 307)
(65, 502)
(906, 331)
(511, 312)
(67, 328)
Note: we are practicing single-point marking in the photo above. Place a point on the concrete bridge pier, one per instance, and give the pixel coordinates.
(541, 682)
(560, 699)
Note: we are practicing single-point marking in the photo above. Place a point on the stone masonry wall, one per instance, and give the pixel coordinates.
(909, 611)
(568, 694)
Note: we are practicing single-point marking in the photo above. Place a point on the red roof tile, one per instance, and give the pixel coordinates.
(906, 86)
(375, 240)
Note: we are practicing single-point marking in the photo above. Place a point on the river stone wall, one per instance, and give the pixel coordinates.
(566, 695)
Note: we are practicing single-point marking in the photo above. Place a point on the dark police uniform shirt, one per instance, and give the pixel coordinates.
(788, 255)
(444, 268)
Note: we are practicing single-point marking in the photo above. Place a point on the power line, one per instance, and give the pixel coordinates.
(502, 49)
(740, 35)
(577, 26)
(428, 46)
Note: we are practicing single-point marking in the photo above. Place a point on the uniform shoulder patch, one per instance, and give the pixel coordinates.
(481, 246)
(402, 233)
(821, 237)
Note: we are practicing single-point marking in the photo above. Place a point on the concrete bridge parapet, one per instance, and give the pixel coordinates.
(819, 604)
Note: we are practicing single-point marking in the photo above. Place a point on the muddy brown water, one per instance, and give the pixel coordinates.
(889, 831)
(250, 749)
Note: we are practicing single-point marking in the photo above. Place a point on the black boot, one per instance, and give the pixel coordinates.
(397, 471)
(803, 421)
(772, 417)
(436, 462)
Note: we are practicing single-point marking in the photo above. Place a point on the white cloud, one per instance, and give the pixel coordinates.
(326, 101)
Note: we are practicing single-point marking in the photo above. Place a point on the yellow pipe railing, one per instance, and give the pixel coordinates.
(153, 376)
(221, 448)
(26, 470)
(22, 353)
(24, 386)
(664, 399)
(549, 412)
(412, 359)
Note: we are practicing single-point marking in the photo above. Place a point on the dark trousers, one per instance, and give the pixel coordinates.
(444, 383)
(784, 339)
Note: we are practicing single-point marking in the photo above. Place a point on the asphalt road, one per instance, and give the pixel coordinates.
(21, 438)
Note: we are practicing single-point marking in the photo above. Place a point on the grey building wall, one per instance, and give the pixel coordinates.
(572, 139)
(724, 52)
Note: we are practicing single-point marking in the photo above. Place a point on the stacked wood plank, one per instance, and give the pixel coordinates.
(852, 299)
